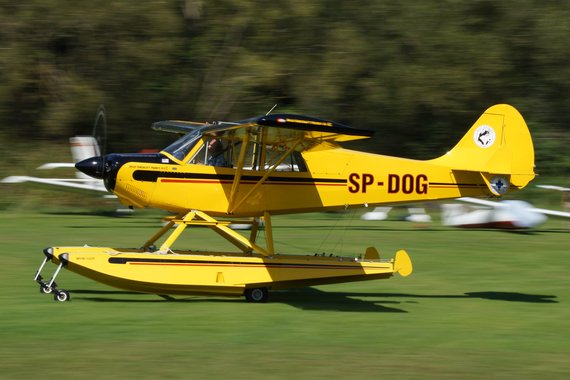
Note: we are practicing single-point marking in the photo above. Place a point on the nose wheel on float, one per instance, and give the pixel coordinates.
(50, 287)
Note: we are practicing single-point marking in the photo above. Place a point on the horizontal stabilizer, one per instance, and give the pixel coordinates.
(403, 263)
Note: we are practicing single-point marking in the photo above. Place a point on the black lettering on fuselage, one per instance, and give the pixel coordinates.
(354, 184)
(393, 183)
(367, 180)
(407, 184)
(359, 183)
(422, 184)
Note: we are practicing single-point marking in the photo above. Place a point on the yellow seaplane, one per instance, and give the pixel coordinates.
(270, 165)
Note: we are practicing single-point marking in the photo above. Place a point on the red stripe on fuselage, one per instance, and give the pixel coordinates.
(260, 266)
(167, 180)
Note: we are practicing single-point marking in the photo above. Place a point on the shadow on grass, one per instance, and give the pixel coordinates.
(513, 297)
(429, 228)
(306, 299)
(315, 299)
(497, 296)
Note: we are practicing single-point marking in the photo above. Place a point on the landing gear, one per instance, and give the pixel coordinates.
(256, 295)
(45, 289)
(50, 287)
(61, 296)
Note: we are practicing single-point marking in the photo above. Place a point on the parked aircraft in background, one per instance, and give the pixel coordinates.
(553, 187)
(481, 213)
(509, 214)
(415, 214)
(82, 147)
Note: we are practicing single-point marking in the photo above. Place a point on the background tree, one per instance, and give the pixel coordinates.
(417, 72)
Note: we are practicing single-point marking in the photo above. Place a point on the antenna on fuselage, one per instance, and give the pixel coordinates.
(271, 110)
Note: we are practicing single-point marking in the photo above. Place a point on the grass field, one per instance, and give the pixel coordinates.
(480, 304)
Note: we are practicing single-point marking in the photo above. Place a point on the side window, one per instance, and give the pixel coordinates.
(292, 163)
(213, 152)
(223, 150)
(200, 156)
(298, 162)
(264, 157)
(183, 146)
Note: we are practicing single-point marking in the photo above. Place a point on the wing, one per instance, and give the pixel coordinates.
(85, 184)
(56, 165)
(553, 187)
(518, 204)
(312, 128)
(281, 132)
(176, 126)
(280, 127)
(558, 214)
(481, 202)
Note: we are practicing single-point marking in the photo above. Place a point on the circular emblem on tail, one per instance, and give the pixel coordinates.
(484, 136)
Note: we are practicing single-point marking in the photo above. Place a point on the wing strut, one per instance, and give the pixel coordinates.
(233, 207)
(199, 218)
(268, 233)
(239, 170)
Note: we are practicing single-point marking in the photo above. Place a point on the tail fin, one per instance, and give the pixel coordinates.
(82, 148)
(498, 146)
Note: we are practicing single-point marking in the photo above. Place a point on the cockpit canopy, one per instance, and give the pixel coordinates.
(196, 148)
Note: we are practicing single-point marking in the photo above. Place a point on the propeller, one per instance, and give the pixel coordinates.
(100, 129)
(95, 166)
(102, 165)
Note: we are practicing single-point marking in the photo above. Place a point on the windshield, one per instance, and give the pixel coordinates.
(181, 147)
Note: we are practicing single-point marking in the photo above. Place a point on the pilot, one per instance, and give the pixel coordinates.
(216, 152)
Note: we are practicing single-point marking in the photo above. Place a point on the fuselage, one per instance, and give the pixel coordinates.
(291, 164)
(335, 178)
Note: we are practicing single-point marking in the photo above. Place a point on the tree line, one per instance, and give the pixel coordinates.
(418, 73)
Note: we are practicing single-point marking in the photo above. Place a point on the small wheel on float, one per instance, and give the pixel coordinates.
(257, 295)
(61, 296)
(44, 289)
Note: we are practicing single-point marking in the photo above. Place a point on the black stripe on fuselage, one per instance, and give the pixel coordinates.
(153, 176)
(129, 260)
(451, 184)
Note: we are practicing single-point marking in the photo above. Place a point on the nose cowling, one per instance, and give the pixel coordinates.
(107, 167)
(93, 167)
(104, 167)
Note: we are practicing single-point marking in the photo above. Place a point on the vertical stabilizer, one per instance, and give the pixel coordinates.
(499, 146)
(82, 148)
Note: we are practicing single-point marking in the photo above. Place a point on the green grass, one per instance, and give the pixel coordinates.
(480, 304)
